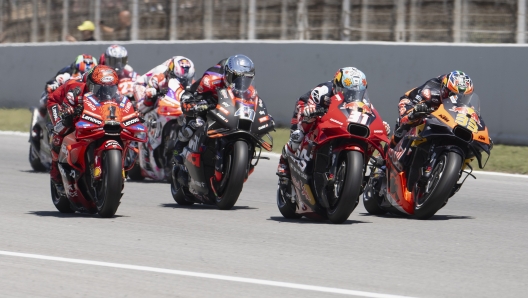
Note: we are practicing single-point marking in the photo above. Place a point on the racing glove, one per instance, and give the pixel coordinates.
(67, 115)
(52, 87)
(419, 110)
(201, 106)
(309, 110)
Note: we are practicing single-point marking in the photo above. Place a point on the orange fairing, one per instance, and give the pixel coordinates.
(168, 107)
(444, 116)
(463, 119)
(398, 190)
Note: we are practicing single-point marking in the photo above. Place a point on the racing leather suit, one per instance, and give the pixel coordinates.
(410, 106)
(63, 75)
(66, 97)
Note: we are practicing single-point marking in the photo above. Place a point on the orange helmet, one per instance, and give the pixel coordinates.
(84, 63)
(102, 82)
(457, 83)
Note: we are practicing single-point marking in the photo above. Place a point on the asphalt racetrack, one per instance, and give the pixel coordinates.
(476, 246)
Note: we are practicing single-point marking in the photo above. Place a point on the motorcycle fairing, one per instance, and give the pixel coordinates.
(236, 113)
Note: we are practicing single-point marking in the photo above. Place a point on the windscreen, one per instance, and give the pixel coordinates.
(470, 100)
(356, 95)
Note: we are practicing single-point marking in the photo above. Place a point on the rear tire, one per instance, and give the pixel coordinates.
(109, 193)
(371, 201)
(286, 207)
(350, 172)
(442, 181)
(135, 173)
(61, 202)
(179, 196)
(237, 174)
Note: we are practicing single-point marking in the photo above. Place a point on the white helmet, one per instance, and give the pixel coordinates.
(181, 68)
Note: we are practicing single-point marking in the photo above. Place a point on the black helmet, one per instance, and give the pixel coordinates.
(116, 57)
(239, 71)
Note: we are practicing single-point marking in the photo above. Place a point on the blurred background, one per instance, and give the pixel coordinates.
(457, 21)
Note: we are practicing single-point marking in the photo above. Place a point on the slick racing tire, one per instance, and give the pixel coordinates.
(34, 161)
(135, 173)
(61, 202)
(109, 191)
(372, 200)
(236, 169)
(434, 194)
(347, 186)
(286, 207)
(178, 195)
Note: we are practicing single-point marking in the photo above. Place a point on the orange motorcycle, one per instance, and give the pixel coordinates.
(431, 161)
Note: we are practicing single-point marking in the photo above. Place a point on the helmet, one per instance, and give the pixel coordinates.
(83, 63)
(181, 68)
(349, 78)
(239, 71)
(457, 83)
(116, 57)
(102, 82)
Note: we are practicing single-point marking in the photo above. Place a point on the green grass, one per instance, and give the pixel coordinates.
(15, 119)
(507, 159)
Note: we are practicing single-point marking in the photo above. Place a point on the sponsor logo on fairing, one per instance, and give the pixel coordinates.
(221, 117)
(112, 143)
(131, 121)
(90, 105)
(262, 127)
(335, 121)
(91, 119)
(55, 113)
(378, 131)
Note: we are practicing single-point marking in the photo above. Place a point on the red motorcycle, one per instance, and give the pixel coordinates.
(92, 156)
(328, 169)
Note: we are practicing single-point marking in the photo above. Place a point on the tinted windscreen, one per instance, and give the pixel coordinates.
(104, 93)
(470, 100)
(355, 95)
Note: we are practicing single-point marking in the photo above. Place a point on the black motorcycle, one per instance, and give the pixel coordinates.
(224, 151)
(39, 138)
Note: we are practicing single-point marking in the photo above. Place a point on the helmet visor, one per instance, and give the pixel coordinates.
(104, 93)
(351, 95)
(239, 82)
(116, 63)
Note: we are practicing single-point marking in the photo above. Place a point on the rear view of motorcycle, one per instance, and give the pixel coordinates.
(328, 169)
(223, 153)
(431, 161)
(91, 159)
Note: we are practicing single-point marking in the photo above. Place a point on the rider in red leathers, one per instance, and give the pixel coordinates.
(63, 103)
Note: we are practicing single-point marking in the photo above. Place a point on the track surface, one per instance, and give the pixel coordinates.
(475, 247)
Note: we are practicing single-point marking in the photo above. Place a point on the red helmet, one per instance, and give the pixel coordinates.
(102, 82)
(84, 63)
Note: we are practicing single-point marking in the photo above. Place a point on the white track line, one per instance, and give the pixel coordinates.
(14, 133)
(204, 275)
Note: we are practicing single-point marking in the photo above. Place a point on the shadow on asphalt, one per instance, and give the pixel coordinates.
(147, 181)
(205, 207)
(68, 215)
(312, 221)
(435, 217)
(33, 172)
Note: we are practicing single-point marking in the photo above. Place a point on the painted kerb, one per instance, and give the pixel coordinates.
(285, 70)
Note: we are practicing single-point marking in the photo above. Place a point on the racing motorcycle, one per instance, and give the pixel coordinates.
(155, 155)
(91, 158)
(328, 169)
(431, 161)
(219, 156)
(39, 138)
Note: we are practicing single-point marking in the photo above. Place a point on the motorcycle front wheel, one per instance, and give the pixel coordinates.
(286, 207)
(432, 196)
(109, 191)
(236, 169)
(347, 186)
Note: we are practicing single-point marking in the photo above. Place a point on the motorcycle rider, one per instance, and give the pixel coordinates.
(82, 64)
(315, 103)
(151, 83)
(63, 104)
(116, 57)
(236, 71)
(420, 101)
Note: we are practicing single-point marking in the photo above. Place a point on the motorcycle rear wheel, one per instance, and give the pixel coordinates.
(135, 173)
(443, 179)
(60, 202)
(109, 192)
(348, 186)
(237, 173)
(286, 207)
(372, 200)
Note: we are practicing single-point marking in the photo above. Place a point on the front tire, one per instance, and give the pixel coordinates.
(347, 187)
(438, 187)
(372, 200)
(61, 202)
(135, 173)
(286, 207)
(178, 195)
(109, 193)
(237, 173)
